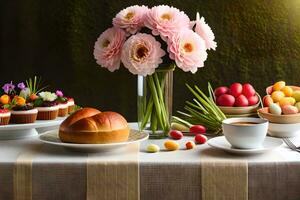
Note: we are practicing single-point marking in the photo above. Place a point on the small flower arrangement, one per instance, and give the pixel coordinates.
(143, 38)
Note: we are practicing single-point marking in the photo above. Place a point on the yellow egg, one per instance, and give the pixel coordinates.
(278, 85)
(277, 96)
(288, 91)
(152, 148)
(171, 145)
(287, 101)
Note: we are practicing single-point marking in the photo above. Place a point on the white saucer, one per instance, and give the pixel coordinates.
(51, 137)
(221, 143)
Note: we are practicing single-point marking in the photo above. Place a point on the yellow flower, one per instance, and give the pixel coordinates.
(20, 101)
(5, 99)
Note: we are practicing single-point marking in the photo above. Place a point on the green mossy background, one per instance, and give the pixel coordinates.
(258, 42)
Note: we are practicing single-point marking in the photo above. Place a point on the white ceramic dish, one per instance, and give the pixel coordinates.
(221, 143)
(245, 136)
(284, 130)
(51, 137)
(17, 131)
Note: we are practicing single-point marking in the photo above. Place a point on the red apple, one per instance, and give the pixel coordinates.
(236, 89)
(221, 90)
(225, 100)
(241, 101)
(248, 90)
(253, 100)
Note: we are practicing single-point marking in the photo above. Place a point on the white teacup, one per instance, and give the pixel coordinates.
(245, 132)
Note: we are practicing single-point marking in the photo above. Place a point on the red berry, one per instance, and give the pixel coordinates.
(248, 90)
(200, 139)
(176, 135)
(241, 101)
(220, 90)
(253, 100)
(197, 129)
(225, 100)
(236, 89)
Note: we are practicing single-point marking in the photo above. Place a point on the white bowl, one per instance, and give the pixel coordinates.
(245, 136)
(284, 130)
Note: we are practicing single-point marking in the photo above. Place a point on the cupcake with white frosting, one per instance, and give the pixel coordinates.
(4, 116)
(63, 104)
(47, 106)
(71, 105)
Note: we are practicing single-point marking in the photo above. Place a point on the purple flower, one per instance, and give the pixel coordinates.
(8, 87)
(59, 93)
(21, 86)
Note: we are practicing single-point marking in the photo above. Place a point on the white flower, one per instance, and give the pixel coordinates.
(48, 96)
(25, 93)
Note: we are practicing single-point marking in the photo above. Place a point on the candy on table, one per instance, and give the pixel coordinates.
(267, 100)
(198, 129)
(179, 127)
(277, 96)
(278, 86)
(153, 148)
(175, 134)
(288, 91)
(190, 145)
(200, 139)
(296, 95)
(171, 145)
(287, 101)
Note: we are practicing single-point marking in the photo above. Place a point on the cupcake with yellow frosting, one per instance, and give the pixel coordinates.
(22, 112)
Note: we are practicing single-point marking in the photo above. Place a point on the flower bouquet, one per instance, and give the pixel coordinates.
(150, 42)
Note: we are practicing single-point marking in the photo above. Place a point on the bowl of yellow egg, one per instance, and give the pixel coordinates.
(282, 109)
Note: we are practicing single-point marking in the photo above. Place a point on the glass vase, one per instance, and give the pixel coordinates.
(155, 101)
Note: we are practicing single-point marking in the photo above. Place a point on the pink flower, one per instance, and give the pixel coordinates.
(131, 18)
(188, 50)
(141, 54)
(166, 21)
(205, 32)
(107, 49)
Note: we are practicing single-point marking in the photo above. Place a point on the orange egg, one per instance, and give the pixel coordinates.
(20, 101)
(287, 101)
(5, 99)
(277, 96)
(278, 85)
(288, 91)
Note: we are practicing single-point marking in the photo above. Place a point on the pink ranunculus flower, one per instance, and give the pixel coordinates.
(131, 18)
(107, 49)
(205, 32)
(141, 54)
(166, 21)
(188, 50)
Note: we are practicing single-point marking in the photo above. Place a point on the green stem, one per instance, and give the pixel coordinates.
(162, 102)
(156, 101)
(149, 108)
(153, 124)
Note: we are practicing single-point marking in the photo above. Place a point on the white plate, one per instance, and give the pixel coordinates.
(51, 137)
(221, 143)
(17, 131)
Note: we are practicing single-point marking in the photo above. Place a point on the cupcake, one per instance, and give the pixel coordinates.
(71, 105)
(47, 106)
(4, 116)
(22, 112)
(62, 103)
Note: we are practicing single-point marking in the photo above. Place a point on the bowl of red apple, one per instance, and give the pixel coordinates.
(237, 100)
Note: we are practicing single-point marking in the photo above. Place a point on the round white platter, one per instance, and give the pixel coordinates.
(51, 137)
(221, 143)
(18, 131)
